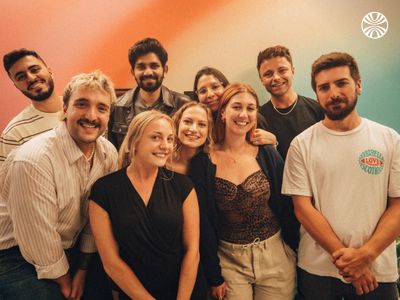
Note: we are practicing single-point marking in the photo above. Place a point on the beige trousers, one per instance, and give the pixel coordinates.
(262, 270)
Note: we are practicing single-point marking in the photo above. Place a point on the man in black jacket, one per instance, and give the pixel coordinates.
(148, 60)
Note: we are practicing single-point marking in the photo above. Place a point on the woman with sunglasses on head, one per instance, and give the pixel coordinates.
(244, 216)
(209, 85)
(145, 218)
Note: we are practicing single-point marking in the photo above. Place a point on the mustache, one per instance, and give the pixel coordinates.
(85, 121)
(33, 82)
(154, 77)
(338, 101)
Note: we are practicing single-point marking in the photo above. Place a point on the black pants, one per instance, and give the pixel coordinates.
(313, 287)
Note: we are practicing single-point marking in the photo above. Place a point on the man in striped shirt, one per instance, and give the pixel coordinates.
(44, 188)
(34, 79)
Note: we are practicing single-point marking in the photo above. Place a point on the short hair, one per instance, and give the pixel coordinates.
(230, 91)
(126, 154)
(332, 60)
(95, 80)
(177, 117)
(145, 46)
(210, 71)
(12, 57)
(276, 51)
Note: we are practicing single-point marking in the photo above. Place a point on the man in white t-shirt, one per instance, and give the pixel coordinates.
(34, 79)
(343, 174)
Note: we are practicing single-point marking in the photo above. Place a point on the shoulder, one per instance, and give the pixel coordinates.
(381, 129)
(125, 99)
(112, 179)
(23, 118)
(176, 98)
(270, 152)
(310, 103)
(108, 148)
(266, 107)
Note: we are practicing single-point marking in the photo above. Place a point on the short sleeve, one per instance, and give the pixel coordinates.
(183, 184)
(98, 193)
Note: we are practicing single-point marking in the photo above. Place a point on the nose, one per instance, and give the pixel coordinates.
(210, 93)
(243, 113)
(275, 76)
(30, 76)
(91, 113)
(334, 92)
(193, 127)
(148, 71)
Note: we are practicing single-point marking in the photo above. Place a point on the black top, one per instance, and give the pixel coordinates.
(202, 172)
(149, 237)
(307, 112)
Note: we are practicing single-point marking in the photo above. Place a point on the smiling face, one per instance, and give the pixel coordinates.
(193, 127)
(240, 114)
(86, 116)
(156, 144)
(149, 72)
(276, 74)
(32, 77)
(337, 92)
(209, 91)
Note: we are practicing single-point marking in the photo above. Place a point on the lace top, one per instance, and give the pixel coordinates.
(243, 210)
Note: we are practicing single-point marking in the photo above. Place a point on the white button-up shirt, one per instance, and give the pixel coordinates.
(45, 186)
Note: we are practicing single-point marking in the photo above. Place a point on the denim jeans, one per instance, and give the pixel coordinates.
(18, 279)
(313, 287)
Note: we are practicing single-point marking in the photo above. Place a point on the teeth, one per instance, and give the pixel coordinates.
(87, 125)
(161, 155)
(241, 123)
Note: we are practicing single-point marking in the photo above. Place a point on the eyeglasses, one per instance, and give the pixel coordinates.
(214, 88)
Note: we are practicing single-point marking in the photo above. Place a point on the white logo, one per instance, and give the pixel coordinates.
(374, 25)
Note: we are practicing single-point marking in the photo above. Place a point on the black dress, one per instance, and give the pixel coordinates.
(149, 237)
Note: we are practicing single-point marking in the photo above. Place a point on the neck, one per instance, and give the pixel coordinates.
(183, 158)
(187, 153)
(50, 105)
(142, 172)
(347, 124)
(285, 100)
(234, 144)
(150, 97)
(88, 149)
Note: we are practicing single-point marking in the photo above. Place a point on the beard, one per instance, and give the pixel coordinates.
(340, 114)
(150, 88)
(43, 95)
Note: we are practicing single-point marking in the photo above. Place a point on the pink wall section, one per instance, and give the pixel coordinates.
(80, 36)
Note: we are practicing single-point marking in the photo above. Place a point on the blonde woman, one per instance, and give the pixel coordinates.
(194, 125)
(244, 216)
(145, 219)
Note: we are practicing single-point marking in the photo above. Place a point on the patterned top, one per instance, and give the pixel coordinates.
(243, 210)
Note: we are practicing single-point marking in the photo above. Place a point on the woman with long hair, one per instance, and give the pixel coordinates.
(145, 218)
(244, 217)
(194, 125)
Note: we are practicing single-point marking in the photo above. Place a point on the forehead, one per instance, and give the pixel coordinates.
(92, 94)
(195, 112)
(243, 98)
(148, 58)
(207, 79)
(275, 62)
(24, 63)
(333, 74)
(160, 125)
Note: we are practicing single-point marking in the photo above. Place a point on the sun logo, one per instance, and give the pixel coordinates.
(374, 25)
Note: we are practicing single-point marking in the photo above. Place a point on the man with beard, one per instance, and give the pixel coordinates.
(148, 60)
(44, 198)
(287, 113)
(343, 174)
(34, 79)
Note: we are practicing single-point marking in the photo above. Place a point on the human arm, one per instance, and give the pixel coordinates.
(107, 246)
(202, 174)
(263, 137)
(352, 261)
(191, 238)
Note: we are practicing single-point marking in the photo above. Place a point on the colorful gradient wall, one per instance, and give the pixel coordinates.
(80, 36)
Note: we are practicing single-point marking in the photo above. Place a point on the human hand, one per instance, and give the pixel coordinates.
(366, 283)
(64, 283)
(218, 292)
(78, 285)
(351, 262)
(262, 137)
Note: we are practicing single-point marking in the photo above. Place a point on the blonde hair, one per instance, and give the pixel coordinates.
(126, 154)
(177, 117)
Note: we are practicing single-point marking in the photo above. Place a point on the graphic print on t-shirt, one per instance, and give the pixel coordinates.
(371, 161)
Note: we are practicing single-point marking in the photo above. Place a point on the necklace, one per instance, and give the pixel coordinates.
(285, 113)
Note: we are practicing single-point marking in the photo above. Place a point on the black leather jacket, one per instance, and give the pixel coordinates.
(124, 111)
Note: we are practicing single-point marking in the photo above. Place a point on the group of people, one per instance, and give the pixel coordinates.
(209, 197)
